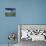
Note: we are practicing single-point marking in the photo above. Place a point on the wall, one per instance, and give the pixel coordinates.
(31, 11)
(27, 12)
(7, 24)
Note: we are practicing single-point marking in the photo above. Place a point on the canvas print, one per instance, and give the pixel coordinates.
(10, 11)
